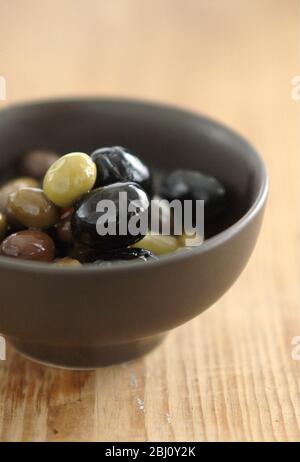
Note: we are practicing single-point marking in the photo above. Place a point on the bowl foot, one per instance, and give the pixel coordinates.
(86, 358)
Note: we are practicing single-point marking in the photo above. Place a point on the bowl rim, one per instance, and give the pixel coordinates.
(206, 246)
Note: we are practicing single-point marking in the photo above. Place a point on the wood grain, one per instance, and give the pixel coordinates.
(229, 374)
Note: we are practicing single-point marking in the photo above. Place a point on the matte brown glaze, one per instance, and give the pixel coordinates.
(88, 316)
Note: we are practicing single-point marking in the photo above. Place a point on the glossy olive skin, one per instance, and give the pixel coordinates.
(29, 245)
(12, 186)
(85, 216)
(31, 208)
(193, 185)
(86, 254)
(63, 227)
(3, 226)
(71, 176)
(117, 164)
(36, 163)
(125, 255)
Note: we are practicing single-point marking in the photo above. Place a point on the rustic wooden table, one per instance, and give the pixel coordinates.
(228, 375)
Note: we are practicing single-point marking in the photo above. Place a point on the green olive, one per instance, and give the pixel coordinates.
(3, 226)
(69, 178)
(13, 186)
(67, 261)
(31, 208)
(158, 244)
(190, 241)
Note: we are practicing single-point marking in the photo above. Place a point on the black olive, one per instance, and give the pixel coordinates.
(123, 255)
(193, 185)
(116, 164)
(85, 220)
(84, 253)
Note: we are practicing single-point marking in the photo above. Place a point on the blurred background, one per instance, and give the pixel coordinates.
(227, 375)
(211, 55)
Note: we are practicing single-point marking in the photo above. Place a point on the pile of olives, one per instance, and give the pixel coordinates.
(49, 213)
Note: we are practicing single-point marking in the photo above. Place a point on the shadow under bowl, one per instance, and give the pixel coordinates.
(89, 317)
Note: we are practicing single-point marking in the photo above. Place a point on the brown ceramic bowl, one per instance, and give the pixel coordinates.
(89, 317)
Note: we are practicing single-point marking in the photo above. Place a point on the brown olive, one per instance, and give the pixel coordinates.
(31, 208)
(3, 226)
(36, 163)
(28, 245)
(13, 186)
(63, 227)
(67, 261)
